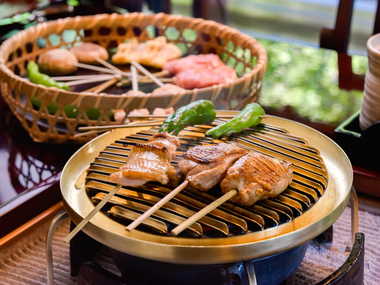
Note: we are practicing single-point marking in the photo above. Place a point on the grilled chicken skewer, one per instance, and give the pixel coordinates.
(149, 162)
(204, 168)
(257, 177)
(146, 162)
(252, 177)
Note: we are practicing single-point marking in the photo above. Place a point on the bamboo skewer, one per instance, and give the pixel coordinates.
(85, 134)
(105, 85)
(162, 73)
(102, 69)
(106, 64)
(92, 213)
(156, 206)
(131, 125)
(77, 77)
(93, 79)
(99, 88)
(135, 85)
(148, 80)
(143, 117)
(147, 73)
(176, 231)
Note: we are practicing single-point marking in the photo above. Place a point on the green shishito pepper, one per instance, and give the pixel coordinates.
(39, 78)
(71, 111)
(249, 116)
(197, 112)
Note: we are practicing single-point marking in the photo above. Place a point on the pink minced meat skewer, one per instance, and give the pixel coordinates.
(200, 71)
(201, 61)
(201, 78)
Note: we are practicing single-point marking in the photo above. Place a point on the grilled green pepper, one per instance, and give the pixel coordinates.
(39, 78)
(197, 112)
(248, 117)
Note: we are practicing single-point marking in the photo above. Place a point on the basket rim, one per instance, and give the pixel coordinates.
(260, 51)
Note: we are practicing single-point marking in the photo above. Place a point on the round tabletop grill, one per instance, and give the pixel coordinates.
(316, 197)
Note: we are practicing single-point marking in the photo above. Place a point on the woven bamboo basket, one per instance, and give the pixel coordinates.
(240, 51)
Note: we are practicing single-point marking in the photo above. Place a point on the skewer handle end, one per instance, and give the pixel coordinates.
(176, 231)
(155, 207)
(91, 214)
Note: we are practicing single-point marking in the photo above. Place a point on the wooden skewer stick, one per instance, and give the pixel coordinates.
(110, 127)
(78, 135)
(99, 88)
(148, 80)
(156, 206)
(124, 82)
(147, 73)
(144, 117)
(92, 213)
(77, 77)
(203, 212)
(135, 84)
(106, 64)
(157, 74)
(93, 79)
(102, 69)
(96, 129)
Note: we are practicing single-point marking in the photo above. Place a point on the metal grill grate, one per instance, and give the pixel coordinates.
(309, 183)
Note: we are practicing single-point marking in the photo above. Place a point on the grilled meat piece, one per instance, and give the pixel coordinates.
(257, 177)
(205, 166)
(149, 162)
(165, 140)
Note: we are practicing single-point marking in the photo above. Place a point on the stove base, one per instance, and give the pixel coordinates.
(92, 273)
(351, 272)
(269, 270)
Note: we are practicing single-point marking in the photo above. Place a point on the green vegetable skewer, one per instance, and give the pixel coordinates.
(39, 78)
(248, 117)
(197, 112)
